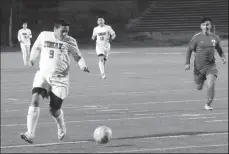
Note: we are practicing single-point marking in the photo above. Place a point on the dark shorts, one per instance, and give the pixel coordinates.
(201, 75)
(55, 102)
(105, 58)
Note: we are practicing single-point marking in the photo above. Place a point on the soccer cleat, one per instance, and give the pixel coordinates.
(103, 76)
(61, 133)
(27, 137)
(208, 107)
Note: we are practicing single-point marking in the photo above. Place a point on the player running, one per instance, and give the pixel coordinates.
(24, 36)
(102, 33)
(204, 45)
(52, 79)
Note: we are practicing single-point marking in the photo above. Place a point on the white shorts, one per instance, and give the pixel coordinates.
(103, 49)
(25, 47)
(59, 86)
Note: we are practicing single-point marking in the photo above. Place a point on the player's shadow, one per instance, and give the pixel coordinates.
(119, 146)
(164, 135)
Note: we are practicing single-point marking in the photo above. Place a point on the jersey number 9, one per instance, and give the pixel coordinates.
(51, 54)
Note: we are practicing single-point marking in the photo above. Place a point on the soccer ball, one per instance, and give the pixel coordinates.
(102, 134)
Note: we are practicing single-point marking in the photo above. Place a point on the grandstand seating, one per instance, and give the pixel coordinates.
(181, 15)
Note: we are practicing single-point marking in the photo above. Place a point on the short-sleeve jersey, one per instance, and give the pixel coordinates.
(23, 35)
(204, 47)
(103, 34)
(55, 54)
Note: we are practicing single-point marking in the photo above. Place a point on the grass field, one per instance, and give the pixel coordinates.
(148, 101)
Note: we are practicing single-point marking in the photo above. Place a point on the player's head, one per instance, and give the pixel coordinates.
(100, 21)
(24, 25)
(206, 24)
(61, 28)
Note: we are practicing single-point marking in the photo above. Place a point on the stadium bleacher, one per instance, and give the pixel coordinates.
(181, 15)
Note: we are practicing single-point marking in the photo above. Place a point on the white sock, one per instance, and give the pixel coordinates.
(101, 67)
(60, 120)
(24, 55)
(27, 57)
(32, 118)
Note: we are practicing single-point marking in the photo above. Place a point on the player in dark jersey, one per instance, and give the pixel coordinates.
(204, 44)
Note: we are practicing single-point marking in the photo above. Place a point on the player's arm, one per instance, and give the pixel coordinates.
(77, 56)
(19, 36)
(30, 34)
(220, 50)
(36, 49)
(112, 32)
(191, 47)
(94, 34)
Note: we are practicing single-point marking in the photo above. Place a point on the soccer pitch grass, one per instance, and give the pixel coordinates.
(148, 101)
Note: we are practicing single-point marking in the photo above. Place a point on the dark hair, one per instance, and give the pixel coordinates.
(204, 19)
(60, 22)
(97, 17)
(24, 22)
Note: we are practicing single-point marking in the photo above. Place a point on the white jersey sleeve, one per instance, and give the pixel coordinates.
(30, 33)
(19, 36)
(73, 48)
(110, 30)
(36, 49)
(75, 52)
(94, 33)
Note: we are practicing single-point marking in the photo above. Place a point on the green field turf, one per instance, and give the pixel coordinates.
(148, 101)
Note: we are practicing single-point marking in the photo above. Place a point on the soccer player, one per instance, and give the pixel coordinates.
(52, 79)
(204, 45)
(24, 36)
(102, 33)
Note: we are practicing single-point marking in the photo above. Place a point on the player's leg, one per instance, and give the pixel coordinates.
(102, 65)
(24, 53)
(57, 96)
(58, 114)
(211, 78)
(106, 53)
(27, 53)
(100, 54)
(39, 92)
(199, 80)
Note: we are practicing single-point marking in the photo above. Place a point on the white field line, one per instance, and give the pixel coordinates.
(183, 136)
(111, 119)
(195, 118)
(164, 53)
(114, 52)
(222, 120)
(105, 106)
(132, 92)
(42, 145)
(169, 148)
(77, 142)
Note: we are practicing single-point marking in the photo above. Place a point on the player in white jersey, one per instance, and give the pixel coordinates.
(24, 36)
(102, 33)
(52, 79)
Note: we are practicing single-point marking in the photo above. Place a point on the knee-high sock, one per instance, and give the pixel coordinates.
(102, 67)
(60, 120)
(210, 94)
(24, 56)
(32, 118)
(27, 54)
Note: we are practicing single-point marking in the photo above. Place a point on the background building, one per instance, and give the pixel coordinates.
(133, 20)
